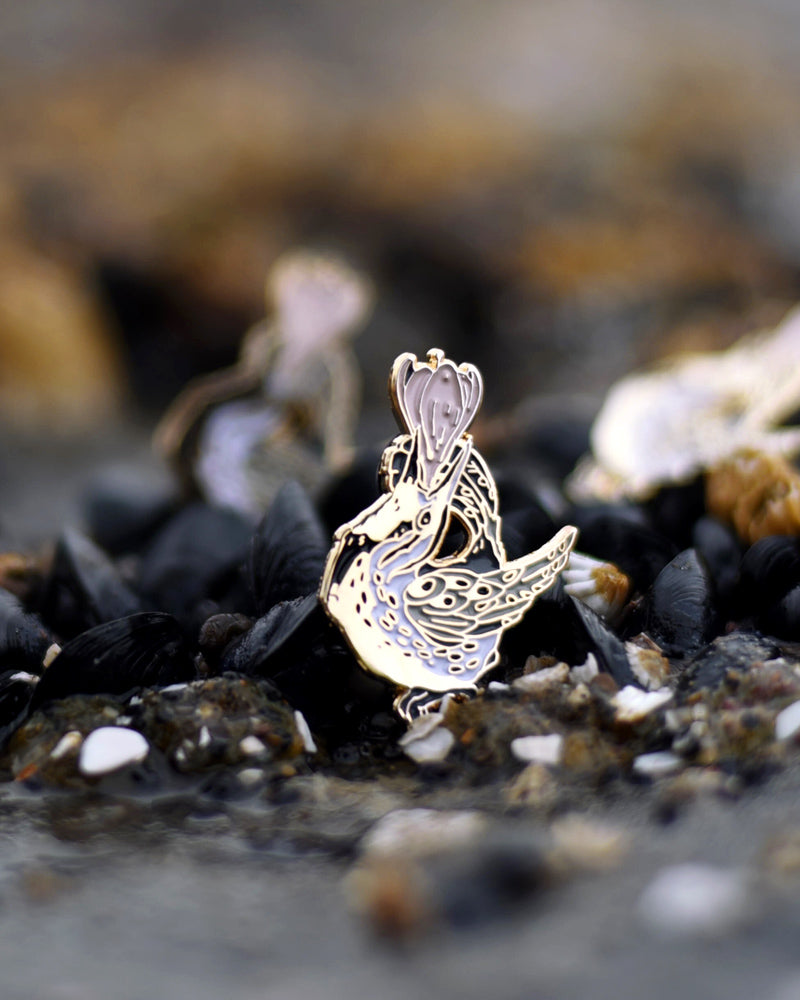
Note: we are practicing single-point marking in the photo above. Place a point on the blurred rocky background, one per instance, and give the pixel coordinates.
(557, 192)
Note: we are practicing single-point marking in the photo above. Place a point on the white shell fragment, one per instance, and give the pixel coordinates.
(657, 764)
(51, 653)
(427, 741)
(666, 425)
(787, 722)
(540, 680)
(305, 733)
(691, 899)
(585, 673)
(600, 585)
(25, 677)
(539, 749)
(418, 832)
(69, 741)
(109, 748)
(633, 704)
(251, 746)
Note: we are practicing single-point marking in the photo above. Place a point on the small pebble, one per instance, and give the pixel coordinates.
(633, 704)
(787, 722)
(657, 764)
(109, 748)
(251, 746)
(427, 740)
(305, 733)
(584, 843)
(250, 776)
(497, 688)
(69, 741)
(540, 680)
(691, 899)
(539, 749)
(587, 671)
(417, 832)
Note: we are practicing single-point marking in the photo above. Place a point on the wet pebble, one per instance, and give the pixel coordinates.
(110, 748)
(632, 704)
(687, 900)
(427, 740)
(657, 764)
(539, 749)
(787, 722)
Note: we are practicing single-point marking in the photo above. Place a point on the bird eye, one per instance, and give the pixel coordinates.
(424, 518)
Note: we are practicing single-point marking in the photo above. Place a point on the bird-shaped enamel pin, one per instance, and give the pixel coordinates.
(419, 582)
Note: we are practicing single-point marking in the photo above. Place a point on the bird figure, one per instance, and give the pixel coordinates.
(419, 582)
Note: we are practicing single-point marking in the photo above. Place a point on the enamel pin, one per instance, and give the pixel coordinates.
(419, 582)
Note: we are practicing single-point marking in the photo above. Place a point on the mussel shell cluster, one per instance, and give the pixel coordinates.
(183, 593)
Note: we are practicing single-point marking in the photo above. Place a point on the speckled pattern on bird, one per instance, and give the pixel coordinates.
(419, 582)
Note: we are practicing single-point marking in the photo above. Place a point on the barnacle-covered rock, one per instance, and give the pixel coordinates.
(759, 494)
(692, 413)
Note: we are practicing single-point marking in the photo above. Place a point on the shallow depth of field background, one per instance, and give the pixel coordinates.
(557, 192)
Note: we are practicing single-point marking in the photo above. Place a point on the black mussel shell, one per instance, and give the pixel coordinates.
(84, 588)
(674, 509)
(621, 538)
(288, 550)
(769, 569)
(678, 611)
(726, 656)
(348, 494)
(16, 692)
(783, 619)
(23, 639)
(296, 647)
(194, 557)
(608, 648)
(144, 650)
(123, 512)
(721, 553)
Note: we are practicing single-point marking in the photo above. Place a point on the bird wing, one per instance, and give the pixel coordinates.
(448, 603)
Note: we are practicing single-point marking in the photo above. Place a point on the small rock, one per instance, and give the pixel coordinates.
(586, 672)
(427, 740)
(539, 749)
(787, 722)
(534, 786)
(633, 704)
(249, 777)
(655, 765)
(251, 746)
(541, 680)
(583, 843)
(691, 899)
(417, 832)
(69, 741)
(109, 748)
